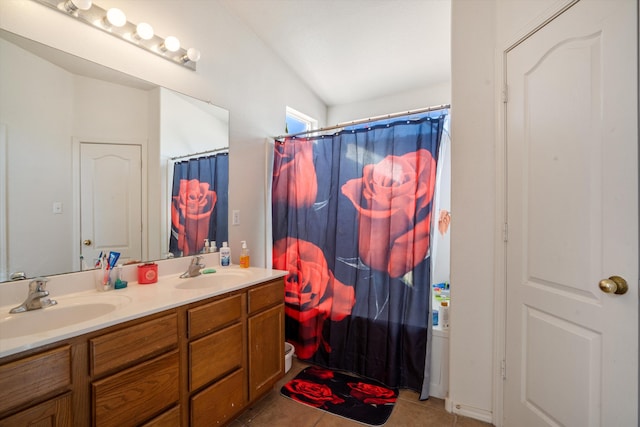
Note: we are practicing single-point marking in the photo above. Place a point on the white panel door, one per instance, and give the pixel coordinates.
(572, 214)
(110, 200)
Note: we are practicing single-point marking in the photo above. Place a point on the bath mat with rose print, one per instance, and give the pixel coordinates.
(356, 398)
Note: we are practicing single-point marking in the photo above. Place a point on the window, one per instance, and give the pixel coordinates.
(298, 122)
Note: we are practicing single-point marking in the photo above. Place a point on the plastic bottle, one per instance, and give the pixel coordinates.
(212, 247)
(244, 255)
(225, 255)
(444, 313)
(205, 248)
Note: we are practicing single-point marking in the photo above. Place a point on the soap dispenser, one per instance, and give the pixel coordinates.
(244, 255)
(225, 255)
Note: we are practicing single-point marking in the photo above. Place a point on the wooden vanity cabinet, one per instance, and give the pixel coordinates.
(199, 364)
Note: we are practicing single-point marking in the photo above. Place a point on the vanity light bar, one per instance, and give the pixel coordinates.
(114, 22)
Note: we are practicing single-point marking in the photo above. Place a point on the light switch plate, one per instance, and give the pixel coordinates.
(235, 217)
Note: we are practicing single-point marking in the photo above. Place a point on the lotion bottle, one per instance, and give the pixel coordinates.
(444, 314)
(244, 255)
(225, 255)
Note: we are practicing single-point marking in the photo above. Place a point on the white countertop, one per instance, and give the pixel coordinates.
(79, 298)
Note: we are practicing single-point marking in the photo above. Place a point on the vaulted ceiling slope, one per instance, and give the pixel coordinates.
(355, 50)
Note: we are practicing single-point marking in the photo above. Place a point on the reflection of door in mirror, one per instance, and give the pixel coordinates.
(110, 201)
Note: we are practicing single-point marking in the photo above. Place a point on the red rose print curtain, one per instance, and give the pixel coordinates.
(352, 223)
(199, 203)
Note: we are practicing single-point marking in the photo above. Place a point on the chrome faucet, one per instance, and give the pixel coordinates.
(194, 268)
(38, 297)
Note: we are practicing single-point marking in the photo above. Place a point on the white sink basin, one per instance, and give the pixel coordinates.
(213, 279)
(69, 311)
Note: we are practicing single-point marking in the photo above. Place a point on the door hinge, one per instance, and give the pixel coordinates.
(505, 93)
(503, 369)
(505, 232)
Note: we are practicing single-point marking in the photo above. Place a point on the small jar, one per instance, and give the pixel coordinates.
(147, 273)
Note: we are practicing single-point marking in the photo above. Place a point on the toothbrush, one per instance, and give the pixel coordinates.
(99, 260)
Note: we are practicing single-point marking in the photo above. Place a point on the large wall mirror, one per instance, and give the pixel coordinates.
(87, 157)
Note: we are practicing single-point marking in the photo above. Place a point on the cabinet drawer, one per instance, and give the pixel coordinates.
(28, 379)
(218, 403)
(132, 396)
(170, 418)
(212, 356)
(116, 349)
(55, 413)
(266, 296)
(212, 316)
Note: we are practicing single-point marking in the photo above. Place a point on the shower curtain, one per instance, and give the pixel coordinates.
(352, 224)
(199, 203)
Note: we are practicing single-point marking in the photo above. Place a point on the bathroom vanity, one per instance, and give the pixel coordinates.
(192, 352)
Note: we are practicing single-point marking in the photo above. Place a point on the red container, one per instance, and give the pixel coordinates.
(148, 273)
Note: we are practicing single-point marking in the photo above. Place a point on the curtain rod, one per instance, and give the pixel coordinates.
(200, 153)
(367, 120)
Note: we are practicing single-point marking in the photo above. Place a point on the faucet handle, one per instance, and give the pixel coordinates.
(39, 284)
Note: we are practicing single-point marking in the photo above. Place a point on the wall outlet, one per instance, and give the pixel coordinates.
(235, 218)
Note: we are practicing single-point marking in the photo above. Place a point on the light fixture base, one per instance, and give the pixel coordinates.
(94, 17)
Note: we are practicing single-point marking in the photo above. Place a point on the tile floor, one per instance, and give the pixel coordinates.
(277, 410)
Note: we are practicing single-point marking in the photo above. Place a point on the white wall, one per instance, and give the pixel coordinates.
(481, 31)
(109, 112)
(427, 96)
(236, 72)
(45, 91)
(473, 196)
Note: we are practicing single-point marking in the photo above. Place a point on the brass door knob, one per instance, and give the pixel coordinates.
(86, 242)
(614, 285)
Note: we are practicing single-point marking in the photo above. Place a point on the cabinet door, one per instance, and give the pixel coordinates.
(266, 350)
(52, 413)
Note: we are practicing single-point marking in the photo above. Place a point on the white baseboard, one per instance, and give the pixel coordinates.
(468, 411)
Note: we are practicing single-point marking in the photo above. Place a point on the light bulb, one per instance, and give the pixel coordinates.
(144, 31)
(192, 55)
(172, 44)
(116, 17)
(74, 5)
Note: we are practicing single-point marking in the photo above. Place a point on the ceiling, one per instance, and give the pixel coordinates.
(355, 50)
